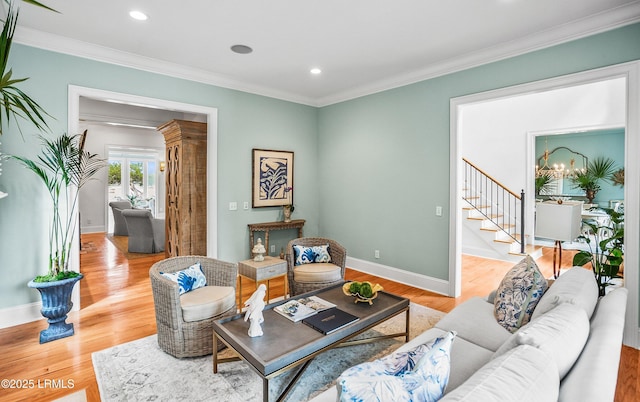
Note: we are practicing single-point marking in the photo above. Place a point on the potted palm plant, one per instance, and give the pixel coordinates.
(64, 167)
(606, 255)
(598, 169)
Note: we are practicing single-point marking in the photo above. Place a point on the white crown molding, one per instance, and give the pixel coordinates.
(606, 21)
(611, 19)
(73, 47)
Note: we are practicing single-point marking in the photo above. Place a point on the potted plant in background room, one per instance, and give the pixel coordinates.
(598, 169)
(606, 255)
(64, 167)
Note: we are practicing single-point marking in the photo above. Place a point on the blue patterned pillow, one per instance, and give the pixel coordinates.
(518, 294)
(309, 255)
(187, 279)
(419, 374)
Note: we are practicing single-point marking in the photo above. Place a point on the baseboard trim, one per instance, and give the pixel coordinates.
(17, 315)
(398, 275)
(25, 313)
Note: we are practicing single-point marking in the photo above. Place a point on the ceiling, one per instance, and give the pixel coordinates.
(362, 46)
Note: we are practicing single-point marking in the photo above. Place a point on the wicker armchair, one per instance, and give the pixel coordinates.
(338, 258)
(176, 336)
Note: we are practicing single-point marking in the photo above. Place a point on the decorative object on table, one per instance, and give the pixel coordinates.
(272, 178)
(289, 208)
(255, 305)
(607, 256)
(64, 167)
(364, 292)
(598, 169)
(298, 309)
(558, 222)
(258, 251)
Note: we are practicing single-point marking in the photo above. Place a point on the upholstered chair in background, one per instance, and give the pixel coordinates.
(185, 321)
(305, 275)
(119, 224)
(146, 234)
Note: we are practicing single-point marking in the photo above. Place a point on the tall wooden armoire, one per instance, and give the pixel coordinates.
(186, 187)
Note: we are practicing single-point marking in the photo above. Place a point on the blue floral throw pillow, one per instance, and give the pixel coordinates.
(187, 279)
(518, 294)
(309, 255)
(418, 375)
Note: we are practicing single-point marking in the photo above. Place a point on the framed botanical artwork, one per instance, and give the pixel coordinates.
(272, 184)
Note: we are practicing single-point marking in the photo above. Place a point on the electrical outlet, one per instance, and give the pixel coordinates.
(233, 206)
(246, 205)
(273, 248)
(438, 210)
(376, 253)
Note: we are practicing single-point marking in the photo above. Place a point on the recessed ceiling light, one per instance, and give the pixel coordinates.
(241, 49)
(315, 71)
(138, 15)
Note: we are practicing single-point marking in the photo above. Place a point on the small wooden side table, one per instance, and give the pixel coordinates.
(267, 226)
(260, 271)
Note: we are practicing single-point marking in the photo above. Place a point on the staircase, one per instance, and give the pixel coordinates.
(494, 224)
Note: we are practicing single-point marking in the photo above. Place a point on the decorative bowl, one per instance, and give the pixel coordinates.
(358, 298)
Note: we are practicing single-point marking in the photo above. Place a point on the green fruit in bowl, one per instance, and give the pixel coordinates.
(365, 290)
(354, 287)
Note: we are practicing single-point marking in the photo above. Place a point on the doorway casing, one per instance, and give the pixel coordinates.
(629, 71)
(75, 92)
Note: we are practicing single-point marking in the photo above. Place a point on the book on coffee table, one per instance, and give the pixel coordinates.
(331, 320)
(298, 309)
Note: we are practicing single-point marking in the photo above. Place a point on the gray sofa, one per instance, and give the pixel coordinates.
(569, 351)
(146, 234)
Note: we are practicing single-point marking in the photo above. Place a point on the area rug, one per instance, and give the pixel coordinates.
(122, 244)
(141, 371)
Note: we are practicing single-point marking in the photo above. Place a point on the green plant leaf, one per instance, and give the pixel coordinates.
(581, 258)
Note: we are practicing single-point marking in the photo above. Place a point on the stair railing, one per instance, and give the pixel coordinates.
(503, 207)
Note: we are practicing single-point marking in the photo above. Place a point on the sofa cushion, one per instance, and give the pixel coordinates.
(309, 255)
(187, 279)
(561, 334)
(577, 286)
(473, 320)
(207, 302)
(519, 292)
(601, 354)
(523, 374)
(418, 374)
(317, 272)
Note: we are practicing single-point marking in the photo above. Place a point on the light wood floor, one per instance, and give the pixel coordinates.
(117, 307)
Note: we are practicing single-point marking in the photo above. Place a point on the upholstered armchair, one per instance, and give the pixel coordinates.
(310, 275)
(119, 224)
(146, 234)
(185, 322)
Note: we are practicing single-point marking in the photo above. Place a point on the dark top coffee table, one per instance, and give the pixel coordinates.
(286, 344)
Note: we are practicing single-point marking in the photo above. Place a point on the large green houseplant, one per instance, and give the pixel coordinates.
(606, 255)
(598, 169)
(64, 167)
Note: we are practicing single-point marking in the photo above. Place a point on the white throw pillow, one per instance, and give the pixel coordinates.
(577, 286)
(419, 374)
(523, 374)
(561, 333)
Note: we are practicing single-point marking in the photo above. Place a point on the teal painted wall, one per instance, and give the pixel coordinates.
(384, 158)
(245, 121)
(368, 172)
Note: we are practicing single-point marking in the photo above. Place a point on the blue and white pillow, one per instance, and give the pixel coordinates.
(420, 374)
(187, 279)
(309, 255)
(518, 294)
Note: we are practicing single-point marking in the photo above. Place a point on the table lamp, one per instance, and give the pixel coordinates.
(558, 222)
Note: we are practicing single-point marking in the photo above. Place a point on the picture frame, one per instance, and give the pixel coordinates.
(272, 178)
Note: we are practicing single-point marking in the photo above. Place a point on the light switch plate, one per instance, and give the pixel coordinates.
(233, 206)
